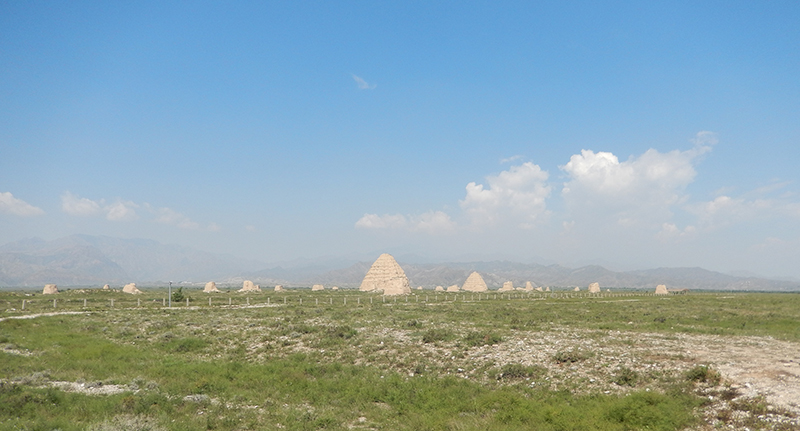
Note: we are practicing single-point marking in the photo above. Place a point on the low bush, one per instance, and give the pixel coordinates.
(570, 356)
(519, 371)
(625, 377)
(434, 335)
(703, 374)
(475, 339)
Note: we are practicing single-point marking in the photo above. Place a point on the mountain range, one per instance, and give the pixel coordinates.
(84, 260)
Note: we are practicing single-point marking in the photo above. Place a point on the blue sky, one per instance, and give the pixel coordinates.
(634, 134)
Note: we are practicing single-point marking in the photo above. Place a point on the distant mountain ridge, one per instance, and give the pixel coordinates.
(85, 260)
(91, 260)
(497, 272)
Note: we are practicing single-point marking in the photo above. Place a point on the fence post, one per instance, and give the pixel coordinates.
(248, 300)
(112, 303)
(301, 300)
(284, 300)
(84, 302)
(345, 300)
(209, 301)
(268, 300)
(359, 300)
(163, 302)
(23, 304)
(187, 301)
(54, 303)
(230, 300)
(316, 301)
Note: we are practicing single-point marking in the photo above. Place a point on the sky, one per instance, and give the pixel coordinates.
(629, 134)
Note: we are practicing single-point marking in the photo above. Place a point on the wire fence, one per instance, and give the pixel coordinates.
(69, 302)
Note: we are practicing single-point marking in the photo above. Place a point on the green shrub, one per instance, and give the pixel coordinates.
(519, 371)
(570, 356)
(177, 295)
(434, 335)
(475, 339)
(625, 377)
(703, 374)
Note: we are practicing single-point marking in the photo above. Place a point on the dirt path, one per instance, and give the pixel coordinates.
(756, 365)
(32, 316)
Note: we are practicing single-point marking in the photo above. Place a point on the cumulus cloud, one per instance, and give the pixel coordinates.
(386, 221)
(655, 177)
(517, 194)
(641, 191)
(431, 222)
(77, 206)
(121, 210)
(11, 205)
(510, 159)
(83, 207)
(363, 85)
(172, 217)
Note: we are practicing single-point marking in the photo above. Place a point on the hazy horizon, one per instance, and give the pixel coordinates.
(641, 136)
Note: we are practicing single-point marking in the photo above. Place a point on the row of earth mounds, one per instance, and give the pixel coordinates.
(384, 276)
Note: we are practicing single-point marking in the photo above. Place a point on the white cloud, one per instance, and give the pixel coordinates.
(431, 222)
(654, 177)
(77, 206)
(11, 205)
(671, 231)
(386, 221)
(121, 211)
(510, 159)
(172, 217)
(84, 207)
(363, 85)
(517, 194)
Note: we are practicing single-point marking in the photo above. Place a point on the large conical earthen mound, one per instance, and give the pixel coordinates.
(474, 283)
(387, 276)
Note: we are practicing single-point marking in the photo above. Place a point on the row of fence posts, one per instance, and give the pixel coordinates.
(560, 295)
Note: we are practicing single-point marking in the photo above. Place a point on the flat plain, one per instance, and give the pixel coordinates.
(302, 360)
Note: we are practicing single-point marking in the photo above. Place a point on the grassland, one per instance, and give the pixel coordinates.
(344, 360)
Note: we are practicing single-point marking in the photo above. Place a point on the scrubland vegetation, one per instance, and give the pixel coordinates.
(345, 360)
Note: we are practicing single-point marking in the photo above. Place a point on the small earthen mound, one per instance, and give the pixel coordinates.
(278, 288)
(661, 290)
(474, 283)
(131, 288)
(453, 288)
(317, 287)
(211, 287)
(50, 289)
(528, 286)
(106, 287)
(419, 287)
(507, 287)
(547, 289)
(539, 289)
(594, 287)
(439, 289)
(576, 289)
(248, 286)
(335, 288)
